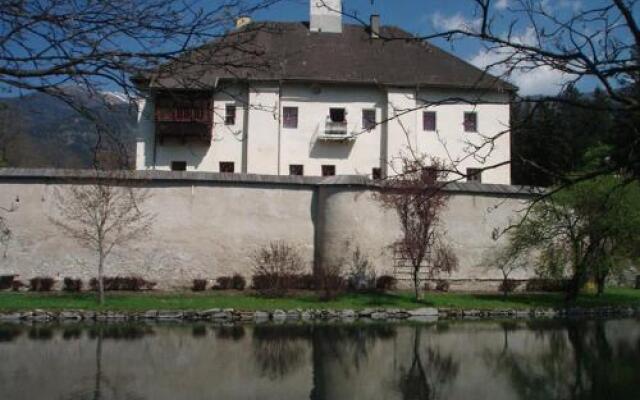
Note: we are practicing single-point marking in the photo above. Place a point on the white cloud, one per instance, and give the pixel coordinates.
(501, 4)
(531, 79)
(454, 22)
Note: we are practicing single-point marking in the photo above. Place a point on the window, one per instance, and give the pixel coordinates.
(328, 170)
(227, 166)
(178, 165)
(376, 174)
(474, 175)
(338, 114)
(429, 121)
(290, 117)
(230, 115)
(296, 169)
(368, 119)
(470, 122)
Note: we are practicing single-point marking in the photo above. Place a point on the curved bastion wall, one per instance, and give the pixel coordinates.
(209, 225)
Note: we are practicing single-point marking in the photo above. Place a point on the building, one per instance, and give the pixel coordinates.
(321, 98)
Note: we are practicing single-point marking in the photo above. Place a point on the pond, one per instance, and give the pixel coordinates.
(538, 359)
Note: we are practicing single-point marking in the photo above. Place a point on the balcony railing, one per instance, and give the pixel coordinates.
(335, 131)
(184, 116)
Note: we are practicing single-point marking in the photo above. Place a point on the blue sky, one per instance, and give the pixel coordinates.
(424, 16)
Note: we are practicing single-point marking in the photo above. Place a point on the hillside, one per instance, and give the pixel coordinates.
(37, 130)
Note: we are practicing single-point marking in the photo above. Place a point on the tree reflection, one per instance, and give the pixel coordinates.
(348, 346)
(578, 363)
(279, 350)
(429, 373)
(10, 332)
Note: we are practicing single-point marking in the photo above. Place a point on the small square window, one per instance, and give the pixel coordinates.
(474, 175)
(296, 169)
(470, 122)
(227, 166)
(376, 174)
(338, 114)
(178, 165)
(429, 121)
(290, 117)
(328, 170)
(368, 119)
(230, 115)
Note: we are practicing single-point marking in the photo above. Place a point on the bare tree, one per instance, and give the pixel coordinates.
(418, 198)
(102, 215)
(56, 46)
(591, 42)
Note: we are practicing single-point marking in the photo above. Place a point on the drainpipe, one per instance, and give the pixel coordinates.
(245, 139)
(155, 133)
(279, 122)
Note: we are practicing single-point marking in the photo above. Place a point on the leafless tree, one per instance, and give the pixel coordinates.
(55, 46)
(417, 196)
(101, 215)
(594, 41)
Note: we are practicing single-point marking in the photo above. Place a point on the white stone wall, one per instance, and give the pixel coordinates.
(205, 228)
(271, 148)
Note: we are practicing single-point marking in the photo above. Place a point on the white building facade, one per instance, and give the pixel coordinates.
(336, 119)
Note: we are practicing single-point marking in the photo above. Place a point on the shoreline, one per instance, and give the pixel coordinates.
(424, 314)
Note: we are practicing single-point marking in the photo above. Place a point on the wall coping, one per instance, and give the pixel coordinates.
(192, 177)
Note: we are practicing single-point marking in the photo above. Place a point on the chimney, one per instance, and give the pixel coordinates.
(325, 16)
(242, 20)
(374, 26)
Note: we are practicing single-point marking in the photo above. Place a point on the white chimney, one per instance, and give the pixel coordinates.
(325, 16)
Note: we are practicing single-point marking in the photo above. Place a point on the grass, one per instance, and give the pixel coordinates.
(246, 301)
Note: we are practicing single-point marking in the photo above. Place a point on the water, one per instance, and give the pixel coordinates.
(579, 359)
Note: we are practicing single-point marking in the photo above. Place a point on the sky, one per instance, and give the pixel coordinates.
(421, 17)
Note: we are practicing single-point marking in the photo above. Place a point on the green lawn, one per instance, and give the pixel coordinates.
(245, 301)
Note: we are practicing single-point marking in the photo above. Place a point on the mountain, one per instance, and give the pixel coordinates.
(42, 131)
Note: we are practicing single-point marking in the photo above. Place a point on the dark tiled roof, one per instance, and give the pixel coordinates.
(289, 51)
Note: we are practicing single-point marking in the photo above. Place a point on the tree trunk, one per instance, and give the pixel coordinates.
(101, 279)
(600, 282)
(416, 283)
(575, 284)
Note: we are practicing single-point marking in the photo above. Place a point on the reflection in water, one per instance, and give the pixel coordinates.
(575, 359)
(428, 379)
(279, 349)
(578, 363)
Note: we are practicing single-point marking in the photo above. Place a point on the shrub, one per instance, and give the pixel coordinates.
(41, 284)
(238, 282)
(276, 268)
(16, 286)
(223, 283)
(386, 282)
(329, 281)
(199, 285)
(508, 285)
(442, 286)
(546, 285)
(361, 274)
(126, 283)
(304, 282)
(6, 281)
(72, 285)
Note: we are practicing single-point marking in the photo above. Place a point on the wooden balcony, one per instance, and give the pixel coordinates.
(184, 116)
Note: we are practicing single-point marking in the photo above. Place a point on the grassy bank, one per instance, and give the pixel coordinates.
(245, 301)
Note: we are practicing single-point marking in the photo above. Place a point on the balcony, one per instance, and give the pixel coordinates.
(333, 131)
(184, 116)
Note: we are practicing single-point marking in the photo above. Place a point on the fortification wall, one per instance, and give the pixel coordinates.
(208, 225)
